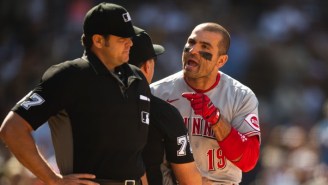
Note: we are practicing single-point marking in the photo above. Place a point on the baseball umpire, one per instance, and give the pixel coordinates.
(101, 101)
(168, 136)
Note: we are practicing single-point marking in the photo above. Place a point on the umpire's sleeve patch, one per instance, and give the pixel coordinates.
(32, 99)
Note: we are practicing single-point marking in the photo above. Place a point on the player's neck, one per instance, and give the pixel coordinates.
(202, 84)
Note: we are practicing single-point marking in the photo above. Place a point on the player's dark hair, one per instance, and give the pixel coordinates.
(225, 42)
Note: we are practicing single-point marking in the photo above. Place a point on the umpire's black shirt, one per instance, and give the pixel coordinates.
(167, 139)
(99, 119)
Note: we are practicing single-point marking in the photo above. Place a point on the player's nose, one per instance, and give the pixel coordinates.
(193, 49)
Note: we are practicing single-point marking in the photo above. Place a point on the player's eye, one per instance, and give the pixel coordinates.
(191, 42)
(206, 47)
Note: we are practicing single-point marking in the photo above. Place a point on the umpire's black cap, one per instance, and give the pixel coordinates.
(108, 18)
(143, 49)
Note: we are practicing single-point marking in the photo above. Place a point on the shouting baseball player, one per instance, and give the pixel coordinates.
(221, 114)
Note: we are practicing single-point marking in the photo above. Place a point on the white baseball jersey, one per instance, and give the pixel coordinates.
(238, 105)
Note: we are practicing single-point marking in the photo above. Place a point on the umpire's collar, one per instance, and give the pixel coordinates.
(100, 68)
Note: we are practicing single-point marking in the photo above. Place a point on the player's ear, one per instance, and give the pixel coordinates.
(98, 40)
(222, 60)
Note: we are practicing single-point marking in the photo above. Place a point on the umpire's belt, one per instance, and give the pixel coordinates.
(118, 182)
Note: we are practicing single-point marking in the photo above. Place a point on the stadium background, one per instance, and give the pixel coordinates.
(279, 49)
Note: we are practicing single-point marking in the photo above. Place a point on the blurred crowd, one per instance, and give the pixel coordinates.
(279, 49)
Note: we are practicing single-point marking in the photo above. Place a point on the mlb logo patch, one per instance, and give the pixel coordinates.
(126, 17)
(145, 117)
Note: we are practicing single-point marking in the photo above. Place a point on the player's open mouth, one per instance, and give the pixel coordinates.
(191, 64)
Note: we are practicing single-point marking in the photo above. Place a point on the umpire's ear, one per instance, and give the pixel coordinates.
(222, 60)
(98, 40)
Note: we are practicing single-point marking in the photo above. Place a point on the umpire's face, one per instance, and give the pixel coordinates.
(200, 58)
(112, 50)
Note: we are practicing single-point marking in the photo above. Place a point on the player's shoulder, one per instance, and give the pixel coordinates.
(167, 81)
(232, 83)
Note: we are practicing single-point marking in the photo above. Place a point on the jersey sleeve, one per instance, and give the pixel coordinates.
(246, 119)
(47, 98)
